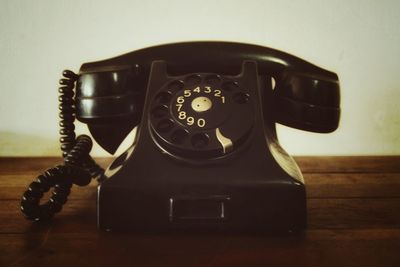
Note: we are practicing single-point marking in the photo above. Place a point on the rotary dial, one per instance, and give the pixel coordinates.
(201, 115)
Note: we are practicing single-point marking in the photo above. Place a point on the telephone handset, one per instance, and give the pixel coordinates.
(206, 152)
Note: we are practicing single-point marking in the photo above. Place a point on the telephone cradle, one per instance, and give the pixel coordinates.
(206, 153)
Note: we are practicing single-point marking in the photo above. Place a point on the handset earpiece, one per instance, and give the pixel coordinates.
(107, 101)
(307, 100)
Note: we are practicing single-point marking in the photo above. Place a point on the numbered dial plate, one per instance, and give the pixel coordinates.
(201, 115)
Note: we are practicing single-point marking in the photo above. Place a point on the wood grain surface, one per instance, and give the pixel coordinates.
(353, 220)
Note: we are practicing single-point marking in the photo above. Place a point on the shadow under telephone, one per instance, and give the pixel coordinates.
(206, 153)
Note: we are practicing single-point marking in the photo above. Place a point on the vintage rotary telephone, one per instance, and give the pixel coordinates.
(206, 153)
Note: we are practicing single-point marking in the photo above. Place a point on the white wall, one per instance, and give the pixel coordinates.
(360, 40)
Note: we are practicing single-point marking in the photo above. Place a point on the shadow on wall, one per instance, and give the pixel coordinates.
(17, 144)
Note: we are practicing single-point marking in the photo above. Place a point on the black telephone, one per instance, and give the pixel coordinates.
(206, 153)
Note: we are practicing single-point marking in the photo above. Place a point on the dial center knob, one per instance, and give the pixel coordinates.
(201, 104)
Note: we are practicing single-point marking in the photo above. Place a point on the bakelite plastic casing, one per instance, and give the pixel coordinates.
(110, 93)
(257, 185)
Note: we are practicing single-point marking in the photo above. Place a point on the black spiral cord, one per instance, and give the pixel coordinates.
(79, 168)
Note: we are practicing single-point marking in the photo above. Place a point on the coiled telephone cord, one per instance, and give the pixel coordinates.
(78, 168)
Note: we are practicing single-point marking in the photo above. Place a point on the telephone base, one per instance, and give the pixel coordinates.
(228, 171)
(244, 207)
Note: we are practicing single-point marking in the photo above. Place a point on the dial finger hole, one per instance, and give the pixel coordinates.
(213, 79)
(241, 98)
(165, 125)
(179, 136)
(230, 86)
(163, 97)
(159, 112)
(199, 140)
(175, 86)
(192, 80)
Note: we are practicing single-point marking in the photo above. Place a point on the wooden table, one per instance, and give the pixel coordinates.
(353, 218)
